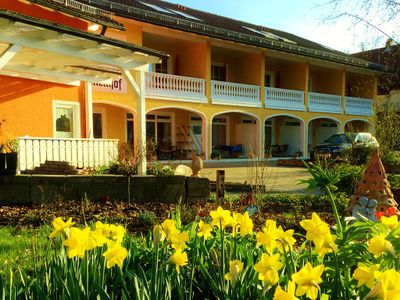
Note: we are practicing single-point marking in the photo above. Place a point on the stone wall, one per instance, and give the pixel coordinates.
(29, 189)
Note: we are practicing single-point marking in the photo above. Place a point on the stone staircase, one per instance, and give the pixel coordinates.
(51, 167)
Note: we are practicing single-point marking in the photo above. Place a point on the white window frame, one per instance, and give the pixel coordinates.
(171, 120)
(76, 115)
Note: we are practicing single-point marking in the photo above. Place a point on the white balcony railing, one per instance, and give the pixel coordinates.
(318, 102)
(86, 8)
(284, 99)
(358, 106)
(172, 87)
(81, 153)
(229, 93)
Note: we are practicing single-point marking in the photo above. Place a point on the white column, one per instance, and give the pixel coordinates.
(89, 110)
(141, 123)
(305, 140)
(262, 140)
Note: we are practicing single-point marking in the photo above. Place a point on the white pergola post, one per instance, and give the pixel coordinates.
(141, 123)
(89, 109)
(140, 90)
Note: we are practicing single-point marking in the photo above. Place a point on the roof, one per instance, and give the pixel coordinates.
(390, 57)
(41, 50)
(86, 13)
(17, 17)
(179, 17)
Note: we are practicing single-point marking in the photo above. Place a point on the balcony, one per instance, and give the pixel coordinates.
(173, 87)
(284, 99)
(318, 102)
(80, 153)
(229, 93)
(358, 106)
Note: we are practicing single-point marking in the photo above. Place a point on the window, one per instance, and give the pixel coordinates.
(184, 15)
(66, 119)
(157, 8)
(130, 135)
(248, 120)
(292, 123)
(218, 72)
(269, 35)
(159, 128)
(219, 132)
(97, 126)
(269, 79)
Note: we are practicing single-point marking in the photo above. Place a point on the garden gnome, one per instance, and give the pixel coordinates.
(197, 165)
(374, 186)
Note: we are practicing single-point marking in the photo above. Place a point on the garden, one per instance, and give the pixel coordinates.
(254, 246)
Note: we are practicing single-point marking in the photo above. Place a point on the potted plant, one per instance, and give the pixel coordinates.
(8, 153)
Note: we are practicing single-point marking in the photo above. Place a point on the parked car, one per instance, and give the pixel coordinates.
(336, 144)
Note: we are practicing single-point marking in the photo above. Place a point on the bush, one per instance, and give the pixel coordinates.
(391, 158)
(147, 218)
(159, 169)
(122, 167)
(358, 154)
(349, 176)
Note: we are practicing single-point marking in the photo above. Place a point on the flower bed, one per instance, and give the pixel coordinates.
(219, 256)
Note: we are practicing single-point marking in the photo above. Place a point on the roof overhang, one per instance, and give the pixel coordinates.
(37, 49)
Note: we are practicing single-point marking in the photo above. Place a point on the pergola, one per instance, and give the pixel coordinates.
(41, 50)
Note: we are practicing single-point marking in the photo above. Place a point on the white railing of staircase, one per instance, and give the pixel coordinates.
(284, 99)
(80, 153)
(229, 93)
(318, 102)
(358, 106)
(173, 87)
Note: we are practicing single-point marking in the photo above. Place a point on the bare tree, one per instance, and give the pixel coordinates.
(379, 19)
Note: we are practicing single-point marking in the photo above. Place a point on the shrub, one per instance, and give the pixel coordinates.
(122, 167)
(159, 169)
(391, 158)
(147, 218)
(358, 154)
(349, 176)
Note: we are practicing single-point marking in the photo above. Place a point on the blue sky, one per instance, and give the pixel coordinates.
(300, 17)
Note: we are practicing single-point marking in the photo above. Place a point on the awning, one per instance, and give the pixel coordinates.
(40, 50)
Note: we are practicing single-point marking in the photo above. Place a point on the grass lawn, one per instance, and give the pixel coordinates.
(22, 247)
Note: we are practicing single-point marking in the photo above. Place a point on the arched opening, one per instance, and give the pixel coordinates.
(235, 135)
(319, 129)
(175, 133)
(358, 126)
(284, 136)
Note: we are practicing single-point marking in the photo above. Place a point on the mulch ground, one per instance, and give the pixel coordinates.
(141, 217)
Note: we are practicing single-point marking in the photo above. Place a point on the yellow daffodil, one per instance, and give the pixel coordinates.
(268, 268)
(235, 267)
(96, 239)
(158, 234)
(315, 227)
(392, 222)
(379, 245)
(179, 259)
(268, 237)
(115, 255)
(366, 275)
(325, 244)
(245, 224)
(178, 240)
(386, 287)
(78, 242)
(221, 217)
(169, 228)
(280, 294)
(117, 233)
(204, 230)
(307, 280)
(60, 226)
(285, 240)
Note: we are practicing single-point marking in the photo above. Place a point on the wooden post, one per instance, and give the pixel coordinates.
(220, 187)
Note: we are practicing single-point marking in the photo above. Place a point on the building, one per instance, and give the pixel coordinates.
(212, 85)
